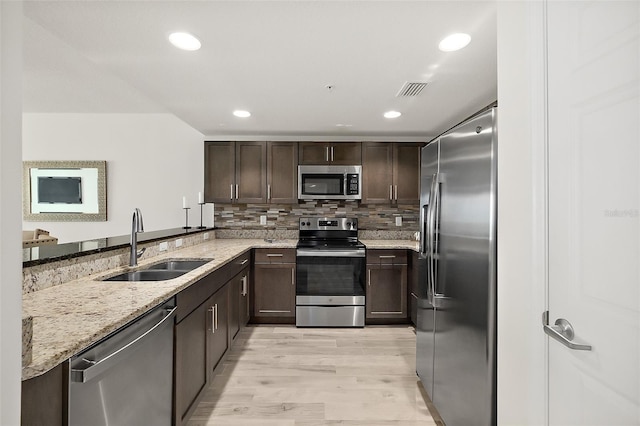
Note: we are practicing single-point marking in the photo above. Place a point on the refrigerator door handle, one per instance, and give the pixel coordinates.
(424, 229)
(435, 230)
(430, 233)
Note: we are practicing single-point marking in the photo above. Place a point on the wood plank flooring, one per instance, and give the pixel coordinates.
(289, 376)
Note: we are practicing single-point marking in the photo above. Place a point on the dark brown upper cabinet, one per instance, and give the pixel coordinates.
(235, 172)
(282, 172)
(325, 153)
(391, 173)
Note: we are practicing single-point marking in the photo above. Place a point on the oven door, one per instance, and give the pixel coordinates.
(330, 277)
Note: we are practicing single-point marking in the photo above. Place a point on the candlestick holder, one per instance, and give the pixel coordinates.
(201, 227)
(186, 217)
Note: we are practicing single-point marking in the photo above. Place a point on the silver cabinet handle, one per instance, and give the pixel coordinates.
(293, 276)
(563, 332)
(268, 191)
(369, 277)
(231, 197)
(213, 319)
(391, 192)
(244, 285)
(395, 188)
(243, 262)
(326, 154)
(216, 316)
(387, 257)
(237, 191)
(275, 254)
(332, 154)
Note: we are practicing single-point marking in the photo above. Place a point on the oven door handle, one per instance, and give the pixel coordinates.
(330, 253)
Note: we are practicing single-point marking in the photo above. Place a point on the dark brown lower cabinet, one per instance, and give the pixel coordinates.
(387, 292)
(275, 290)
(218, 331)
(235, 288)
(44, 398)
(244, 299)
(386, 286)
(274, 286)
(191, 364)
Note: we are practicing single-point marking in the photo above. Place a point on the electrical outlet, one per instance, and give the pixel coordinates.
(263, 219)
(205, 236)
(179, 242)
(163, 246)
(398, 220)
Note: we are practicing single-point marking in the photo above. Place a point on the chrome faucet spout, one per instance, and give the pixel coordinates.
(136, 226)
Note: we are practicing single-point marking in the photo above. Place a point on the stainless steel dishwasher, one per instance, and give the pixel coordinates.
(126, 378)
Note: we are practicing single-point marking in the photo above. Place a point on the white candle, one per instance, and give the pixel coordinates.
(184, 202)
(200, 198)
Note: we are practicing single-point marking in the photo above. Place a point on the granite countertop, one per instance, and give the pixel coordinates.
(391, 244)
(70, 317)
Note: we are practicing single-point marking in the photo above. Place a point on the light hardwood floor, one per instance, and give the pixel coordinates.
(287, 376)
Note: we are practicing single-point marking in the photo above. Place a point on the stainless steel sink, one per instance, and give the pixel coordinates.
(178, 265)
(147, 275)
(162, 271)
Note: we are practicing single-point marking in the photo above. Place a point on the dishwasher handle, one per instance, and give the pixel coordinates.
(89, 369)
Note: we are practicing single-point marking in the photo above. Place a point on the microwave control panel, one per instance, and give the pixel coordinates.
(352, 184)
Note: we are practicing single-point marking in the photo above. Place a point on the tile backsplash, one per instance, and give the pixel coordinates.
(286, 216)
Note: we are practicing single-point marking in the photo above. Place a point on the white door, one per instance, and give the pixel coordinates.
(594, 190)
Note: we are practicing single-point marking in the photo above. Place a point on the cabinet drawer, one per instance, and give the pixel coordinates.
(387, 257)
(275, 256)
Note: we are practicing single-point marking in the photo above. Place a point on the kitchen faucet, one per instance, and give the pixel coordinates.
(136, 226)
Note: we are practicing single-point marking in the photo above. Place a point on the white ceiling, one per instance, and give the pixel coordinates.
(273, 58)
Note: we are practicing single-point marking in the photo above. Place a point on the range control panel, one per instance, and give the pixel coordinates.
(325, 224)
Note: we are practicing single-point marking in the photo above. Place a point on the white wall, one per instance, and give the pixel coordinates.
(10, 211)
(152, 161)
(521, 265)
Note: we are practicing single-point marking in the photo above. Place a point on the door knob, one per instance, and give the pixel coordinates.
(563, 332)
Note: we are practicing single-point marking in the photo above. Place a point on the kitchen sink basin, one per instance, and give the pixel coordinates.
(178, 265)
(162, 271)
(147, 275)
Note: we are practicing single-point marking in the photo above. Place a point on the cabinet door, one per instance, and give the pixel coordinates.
(191, 363)
(44, 396)
(387, 291)
(313, 153)
(377, 169)
(282, 172)
(346, 153)
(219, 171)
(274, 290)
(218, 332)
(406, 173)
(235, 288)
(251, 172)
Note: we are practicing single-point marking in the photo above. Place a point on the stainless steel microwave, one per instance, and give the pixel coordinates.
(329, 182)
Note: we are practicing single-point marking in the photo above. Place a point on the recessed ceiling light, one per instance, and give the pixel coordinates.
(184, 41)
(454, 42)
(392, 114)
(241, 113)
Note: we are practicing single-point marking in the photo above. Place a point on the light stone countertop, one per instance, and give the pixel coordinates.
(72, 316)
(391, 244)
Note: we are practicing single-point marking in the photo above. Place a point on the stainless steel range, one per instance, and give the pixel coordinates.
(330, 277)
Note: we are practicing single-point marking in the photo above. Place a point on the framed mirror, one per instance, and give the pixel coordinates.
(64, 191)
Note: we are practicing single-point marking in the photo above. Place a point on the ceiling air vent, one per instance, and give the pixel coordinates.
(411, 89)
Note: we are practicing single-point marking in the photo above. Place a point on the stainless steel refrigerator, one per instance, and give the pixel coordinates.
(456, 319)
